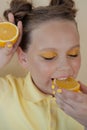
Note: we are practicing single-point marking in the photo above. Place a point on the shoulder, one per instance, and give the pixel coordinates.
(9, 84)
(10, 80)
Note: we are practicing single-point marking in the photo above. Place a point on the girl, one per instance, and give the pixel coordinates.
(49, 48)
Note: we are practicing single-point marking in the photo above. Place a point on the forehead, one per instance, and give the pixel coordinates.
(53, 33)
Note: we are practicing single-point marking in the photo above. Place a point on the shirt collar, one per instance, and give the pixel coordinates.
(31, 92)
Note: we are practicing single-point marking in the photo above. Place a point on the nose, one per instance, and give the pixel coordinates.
(63, 69)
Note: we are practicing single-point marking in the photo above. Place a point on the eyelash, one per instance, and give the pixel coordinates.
(49, 58)
(73, 55)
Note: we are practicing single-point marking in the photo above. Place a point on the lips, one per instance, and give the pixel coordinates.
(61, 78)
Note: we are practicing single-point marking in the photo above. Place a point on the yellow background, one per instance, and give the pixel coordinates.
(15, 68)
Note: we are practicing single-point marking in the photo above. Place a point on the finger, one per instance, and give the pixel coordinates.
(67, 108)
(60, 103)
(20, 27)
(15, 46)
(71, 98)
(83, 88)
(11, 18)
(78, 114)
(61, 98)
(8, 48)
(70, 95)
(1, 20)
(74, 109)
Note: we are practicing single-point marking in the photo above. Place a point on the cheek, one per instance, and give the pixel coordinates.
(76, 65)
(40, 69)
(45, 69)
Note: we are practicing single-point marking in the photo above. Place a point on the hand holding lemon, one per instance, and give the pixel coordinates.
(10, 38)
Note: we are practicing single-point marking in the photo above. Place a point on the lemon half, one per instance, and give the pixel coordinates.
(69, 84)
(8, 33)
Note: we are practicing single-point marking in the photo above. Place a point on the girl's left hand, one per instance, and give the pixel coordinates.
(74, 104)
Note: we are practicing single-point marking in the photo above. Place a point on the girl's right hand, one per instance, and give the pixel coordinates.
(74, 104)
(8, 51)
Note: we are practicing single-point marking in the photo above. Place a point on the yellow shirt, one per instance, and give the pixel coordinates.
(24, 107)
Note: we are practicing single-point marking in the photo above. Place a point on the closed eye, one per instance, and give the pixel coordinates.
(51, 58)
(73, 55)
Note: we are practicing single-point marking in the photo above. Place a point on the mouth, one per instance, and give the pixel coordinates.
(68, 83)
(60, 78)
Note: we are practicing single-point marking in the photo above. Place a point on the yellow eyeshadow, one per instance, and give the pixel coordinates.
(74, 51)
(49, 54)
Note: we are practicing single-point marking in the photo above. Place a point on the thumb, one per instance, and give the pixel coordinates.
(8, 48)
(83, 87)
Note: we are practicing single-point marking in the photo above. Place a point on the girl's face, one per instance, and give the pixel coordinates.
(54, 53)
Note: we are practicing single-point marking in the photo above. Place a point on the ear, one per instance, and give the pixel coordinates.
(22, 57)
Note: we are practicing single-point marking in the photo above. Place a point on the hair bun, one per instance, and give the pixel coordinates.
(19, 8)
(68, 3)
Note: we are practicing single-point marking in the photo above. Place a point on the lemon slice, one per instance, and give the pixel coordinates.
(69, 84)
(8, 33)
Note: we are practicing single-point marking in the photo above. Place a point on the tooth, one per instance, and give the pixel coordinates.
(62, 78)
